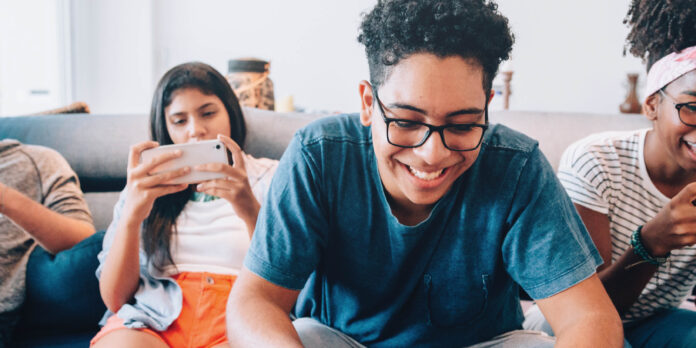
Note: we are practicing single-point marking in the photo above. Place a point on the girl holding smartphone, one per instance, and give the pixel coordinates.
(172, 251)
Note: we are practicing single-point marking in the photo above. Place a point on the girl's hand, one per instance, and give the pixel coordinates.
(674, 227)
(142, 188)
(235, 188)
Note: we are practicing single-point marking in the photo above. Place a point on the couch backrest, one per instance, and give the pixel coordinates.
(555, 131)
(96, 146)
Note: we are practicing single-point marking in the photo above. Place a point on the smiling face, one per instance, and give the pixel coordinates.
(433, 90)
(194, 116)
(676, 141)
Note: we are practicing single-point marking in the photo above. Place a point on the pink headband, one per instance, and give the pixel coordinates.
(670, 68)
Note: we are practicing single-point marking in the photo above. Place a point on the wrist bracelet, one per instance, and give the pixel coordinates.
(639, 249)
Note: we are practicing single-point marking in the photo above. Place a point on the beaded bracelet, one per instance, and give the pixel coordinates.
(640, 250)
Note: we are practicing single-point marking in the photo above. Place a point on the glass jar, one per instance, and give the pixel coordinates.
(250, 81)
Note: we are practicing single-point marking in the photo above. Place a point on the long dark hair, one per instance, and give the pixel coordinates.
(160, 225)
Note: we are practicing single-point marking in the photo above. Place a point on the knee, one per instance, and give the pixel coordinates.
(535, 320)
(315, 334)
(307, 327)
(310, 331)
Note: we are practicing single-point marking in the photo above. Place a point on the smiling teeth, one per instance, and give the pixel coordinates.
(426, 175)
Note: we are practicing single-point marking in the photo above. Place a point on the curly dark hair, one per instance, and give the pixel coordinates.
(471, 29)
(660, 27)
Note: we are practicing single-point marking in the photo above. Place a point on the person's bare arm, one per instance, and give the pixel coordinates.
(120, 275)
(624, 280)
(258, 313)
(53, 231)
(583, 316)
(673, 227)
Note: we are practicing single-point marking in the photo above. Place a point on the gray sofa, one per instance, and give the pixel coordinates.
(96, 146)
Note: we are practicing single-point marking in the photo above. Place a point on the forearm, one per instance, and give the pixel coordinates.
(254, 322)
(53, 231)
(121, 272)
(249, 214)
(626, 278)
(592, 331)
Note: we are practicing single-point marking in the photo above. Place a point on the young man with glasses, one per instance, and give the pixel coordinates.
(636, 190)
(413, 223)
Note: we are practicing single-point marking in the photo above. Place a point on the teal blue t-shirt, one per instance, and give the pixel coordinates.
(452, 280)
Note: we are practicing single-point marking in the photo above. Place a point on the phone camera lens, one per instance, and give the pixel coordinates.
(217, 147)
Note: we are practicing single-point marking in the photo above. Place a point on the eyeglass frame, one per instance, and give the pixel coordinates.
(431, 128)
(679, 106)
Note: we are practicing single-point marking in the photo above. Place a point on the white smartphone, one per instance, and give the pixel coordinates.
(193, 154)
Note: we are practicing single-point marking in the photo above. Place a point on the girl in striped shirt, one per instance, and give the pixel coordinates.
(636, 190)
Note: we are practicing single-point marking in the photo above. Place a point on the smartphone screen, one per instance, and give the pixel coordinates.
(193, 154)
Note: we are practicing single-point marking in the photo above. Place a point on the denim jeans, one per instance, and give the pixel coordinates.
(671, 328)
(62, 292)
(8, 320)
(316, 335)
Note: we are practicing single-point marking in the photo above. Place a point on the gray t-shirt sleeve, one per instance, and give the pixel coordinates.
(44, 176)
(60, 186)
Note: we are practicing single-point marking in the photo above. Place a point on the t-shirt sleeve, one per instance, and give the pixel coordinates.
(582, 174)
(291, 229)
(60, 186)
(547, 248)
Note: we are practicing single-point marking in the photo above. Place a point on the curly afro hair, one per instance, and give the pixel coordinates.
(471, 29)
(660, 27)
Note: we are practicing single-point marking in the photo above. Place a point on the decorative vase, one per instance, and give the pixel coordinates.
(250, 81)
(631, 105)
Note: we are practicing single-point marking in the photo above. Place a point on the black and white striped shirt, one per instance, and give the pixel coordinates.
(606, 172)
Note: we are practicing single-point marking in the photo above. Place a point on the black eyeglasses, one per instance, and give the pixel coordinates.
(686, 111)
(409, 134)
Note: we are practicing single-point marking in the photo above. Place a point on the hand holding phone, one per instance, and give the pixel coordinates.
(192, 155)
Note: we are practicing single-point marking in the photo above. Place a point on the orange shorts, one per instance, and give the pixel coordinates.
(202, 319)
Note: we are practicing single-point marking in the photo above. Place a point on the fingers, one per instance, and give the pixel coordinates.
(235, 150)
(230, 189)
(687, 194)
(169, 189)
(231, 172)
(147, 168)
(164, 178)
(222, 184)
(135, 151)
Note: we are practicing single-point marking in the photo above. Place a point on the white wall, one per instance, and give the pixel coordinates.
(568, 54)
(32, 70)
(112, 55)
(311, 44)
